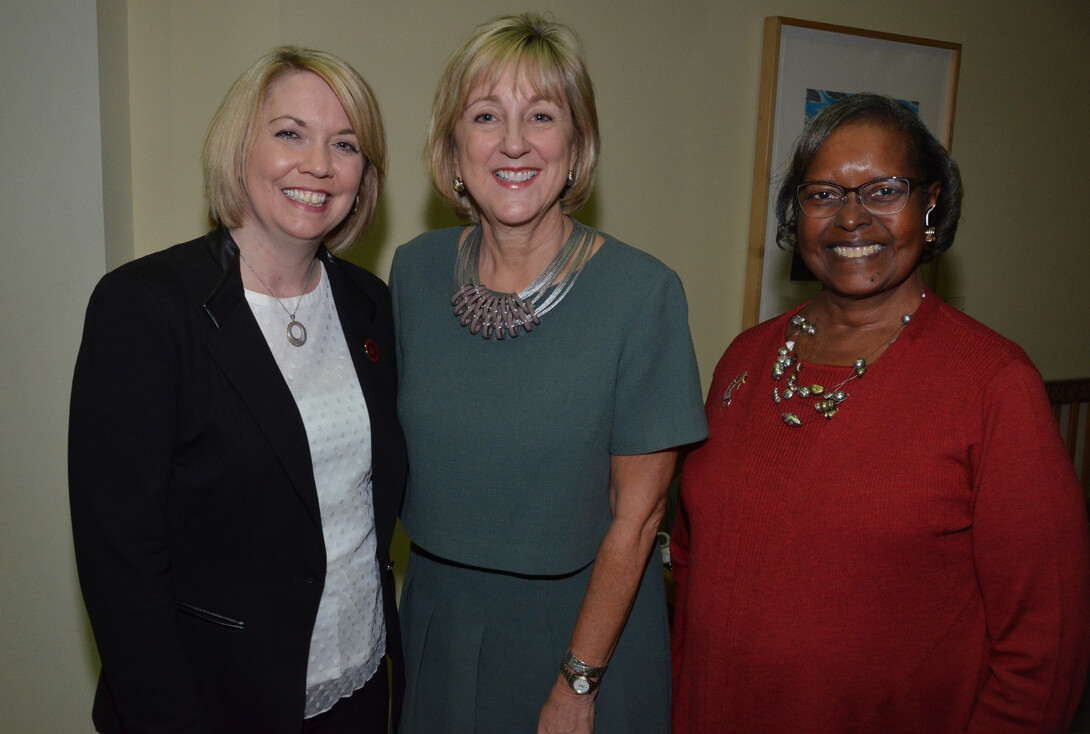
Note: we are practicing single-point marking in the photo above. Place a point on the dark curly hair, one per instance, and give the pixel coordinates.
(930, 158)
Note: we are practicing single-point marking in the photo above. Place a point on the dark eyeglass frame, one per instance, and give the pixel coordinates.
(909, 183)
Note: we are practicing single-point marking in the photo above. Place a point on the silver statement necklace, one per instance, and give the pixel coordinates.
(826, 402)
(488, 312)
(296, 332)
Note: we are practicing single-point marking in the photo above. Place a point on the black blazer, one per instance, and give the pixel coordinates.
(197, 530)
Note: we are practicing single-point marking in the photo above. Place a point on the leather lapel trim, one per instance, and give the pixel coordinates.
(239, 348)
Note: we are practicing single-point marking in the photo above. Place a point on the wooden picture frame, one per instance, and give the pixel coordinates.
(803, 65)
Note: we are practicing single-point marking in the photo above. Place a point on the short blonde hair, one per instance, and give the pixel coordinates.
(231, 136)
(550, 57)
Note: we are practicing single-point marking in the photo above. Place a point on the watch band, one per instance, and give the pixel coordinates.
(581, 677)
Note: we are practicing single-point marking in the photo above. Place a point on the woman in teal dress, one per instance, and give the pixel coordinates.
(547, 380)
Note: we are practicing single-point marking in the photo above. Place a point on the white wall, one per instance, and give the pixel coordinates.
(677, 88)
(51, 253)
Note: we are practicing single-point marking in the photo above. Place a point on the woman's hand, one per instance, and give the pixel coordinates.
(566, 712)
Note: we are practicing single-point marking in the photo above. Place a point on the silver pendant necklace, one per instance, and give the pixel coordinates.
(296, 332)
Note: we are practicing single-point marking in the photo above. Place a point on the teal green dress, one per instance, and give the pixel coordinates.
(508, 497)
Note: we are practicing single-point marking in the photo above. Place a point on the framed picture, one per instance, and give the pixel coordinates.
(806, 66)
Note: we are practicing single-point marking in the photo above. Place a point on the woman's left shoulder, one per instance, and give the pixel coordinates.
(633, 265)
(975, 336)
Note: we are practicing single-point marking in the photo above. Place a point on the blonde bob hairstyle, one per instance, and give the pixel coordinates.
(547, 56)
(231, 138)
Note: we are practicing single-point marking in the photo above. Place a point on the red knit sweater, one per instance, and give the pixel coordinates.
(920, 563)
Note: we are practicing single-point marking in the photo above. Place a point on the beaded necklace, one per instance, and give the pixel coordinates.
(827, 402)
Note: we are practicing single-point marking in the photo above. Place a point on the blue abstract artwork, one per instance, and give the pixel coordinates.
(819, 99)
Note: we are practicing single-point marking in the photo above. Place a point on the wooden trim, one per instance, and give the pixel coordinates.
(1061, 392)
(1086, 456)
(1074, 395)
(762, 171)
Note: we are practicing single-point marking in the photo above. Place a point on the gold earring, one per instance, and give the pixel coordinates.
(929, 231)
(459, 185)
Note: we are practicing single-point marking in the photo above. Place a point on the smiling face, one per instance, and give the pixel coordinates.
(855, 253)
(305, 166)
(514, 149)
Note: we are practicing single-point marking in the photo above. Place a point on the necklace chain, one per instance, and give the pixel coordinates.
(296, 332)
(488, 312)
(827, 401)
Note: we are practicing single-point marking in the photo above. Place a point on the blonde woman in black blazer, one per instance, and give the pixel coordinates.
(206, 532)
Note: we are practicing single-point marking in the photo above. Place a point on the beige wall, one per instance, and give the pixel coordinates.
(677, 89)
(677, 85)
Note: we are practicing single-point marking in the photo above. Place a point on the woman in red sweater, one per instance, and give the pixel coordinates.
(883, 531)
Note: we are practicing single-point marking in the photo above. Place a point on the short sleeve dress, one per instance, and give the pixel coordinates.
(507, 503)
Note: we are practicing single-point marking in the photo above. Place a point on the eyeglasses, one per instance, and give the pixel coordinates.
(882, 196)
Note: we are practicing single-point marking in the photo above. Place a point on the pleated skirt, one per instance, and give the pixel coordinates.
(483, 649)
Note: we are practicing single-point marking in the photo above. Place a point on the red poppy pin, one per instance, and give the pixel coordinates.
(371, 349)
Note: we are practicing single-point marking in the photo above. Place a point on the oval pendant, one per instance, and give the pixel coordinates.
(297, 334)
(791, 419)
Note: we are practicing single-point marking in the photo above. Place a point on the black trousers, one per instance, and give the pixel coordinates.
(364, 712)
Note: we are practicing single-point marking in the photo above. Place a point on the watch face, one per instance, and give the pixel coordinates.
(581, 686)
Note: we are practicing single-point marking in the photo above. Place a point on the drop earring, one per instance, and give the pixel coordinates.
(571, 177)
(929, 229)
